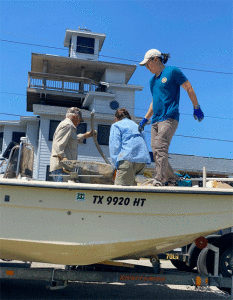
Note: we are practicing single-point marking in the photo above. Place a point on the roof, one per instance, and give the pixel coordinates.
(63, 65)
(192, 163)
(23, 120)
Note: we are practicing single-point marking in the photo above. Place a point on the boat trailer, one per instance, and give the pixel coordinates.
(119, 272)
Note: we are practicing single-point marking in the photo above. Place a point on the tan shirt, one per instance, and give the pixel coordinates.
(65, 143)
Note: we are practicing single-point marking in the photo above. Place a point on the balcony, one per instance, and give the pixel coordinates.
(59, 90)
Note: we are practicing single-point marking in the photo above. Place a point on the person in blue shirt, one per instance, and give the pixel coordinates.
(128, 149)
(164, 110)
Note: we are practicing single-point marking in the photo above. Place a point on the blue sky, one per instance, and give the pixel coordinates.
(196, 33)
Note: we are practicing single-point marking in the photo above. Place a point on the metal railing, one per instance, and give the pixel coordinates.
(62, 83)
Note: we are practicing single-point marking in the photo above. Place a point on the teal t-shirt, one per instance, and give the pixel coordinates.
(165, 91)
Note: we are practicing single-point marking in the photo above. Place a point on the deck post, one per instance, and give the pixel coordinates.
(204, 176)
(29, 80)
(45, 70)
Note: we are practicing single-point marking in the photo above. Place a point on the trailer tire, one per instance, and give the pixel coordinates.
(226, 263)
(225, 245)
(181, 265)
(194, 252)
(202, 262)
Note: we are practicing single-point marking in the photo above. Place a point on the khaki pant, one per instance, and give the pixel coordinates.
(161, 136)
(126, 172)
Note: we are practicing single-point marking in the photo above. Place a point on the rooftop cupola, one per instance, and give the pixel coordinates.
(83, 43)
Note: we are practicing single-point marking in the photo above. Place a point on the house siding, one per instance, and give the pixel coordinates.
(125, 98)
(43, 149)
(86, 151)
(114, 76)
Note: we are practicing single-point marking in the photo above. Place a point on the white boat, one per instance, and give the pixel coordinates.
(80, 224)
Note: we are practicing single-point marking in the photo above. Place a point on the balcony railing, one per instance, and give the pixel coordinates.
(62, 83)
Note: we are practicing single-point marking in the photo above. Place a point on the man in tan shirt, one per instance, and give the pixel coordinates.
(65, 141)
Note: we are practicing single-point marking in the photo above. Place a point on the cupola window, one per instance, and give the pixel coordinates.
(85, 45)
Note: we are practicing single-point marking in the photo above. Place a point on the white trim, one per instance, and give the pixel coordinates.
(124, 86)
(91, 95)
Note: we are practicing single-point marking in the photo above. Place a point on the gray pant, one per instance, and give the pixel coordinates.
(126, 172)
(161, 136)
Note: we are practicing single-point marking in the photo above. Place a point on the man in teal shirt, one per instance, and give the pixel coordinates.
(164, 110)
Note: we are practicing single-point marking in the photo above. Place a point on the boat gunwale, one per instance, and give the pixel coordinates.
(114, 188)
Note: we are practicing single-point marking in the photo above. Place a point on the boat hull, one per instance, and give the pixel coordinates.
(81, 224)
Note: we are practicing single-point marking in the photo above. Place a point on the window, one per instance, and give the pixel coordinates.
(82, 128)
(85, 45)
(151, 156)
(17, 135)
(48, 176)
(103, 134)
(1, 141)
(52, 128)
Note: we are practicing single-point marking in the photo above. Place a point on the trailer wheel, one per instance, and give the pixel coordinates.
(226, 263)
(193, 252)
(181, 265)
(205, 262)
(225, 245)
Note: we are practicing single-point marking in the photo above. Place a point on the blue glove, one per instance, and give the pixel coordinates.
(142, 124)
(198, 113)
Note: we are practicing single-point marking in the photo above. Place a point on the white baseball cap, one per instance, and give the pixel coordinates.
(149, 54)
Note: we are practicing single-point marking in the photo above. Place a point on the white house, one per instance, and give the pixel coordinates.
(56, 83)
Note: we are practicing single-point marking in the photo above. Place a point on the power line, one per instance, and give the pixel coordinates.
(30, 37)
(11, 115)
(147, 131)
(114, 51)
(229, 119)
(200, 138)
(142, 109)
(13, 94)
(197, 137)
(138, 61)
(206, 71)
(32, 44)
(125, 59)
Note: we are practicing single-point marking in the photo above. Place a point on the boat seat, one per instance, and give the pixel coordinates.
(20, 161)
